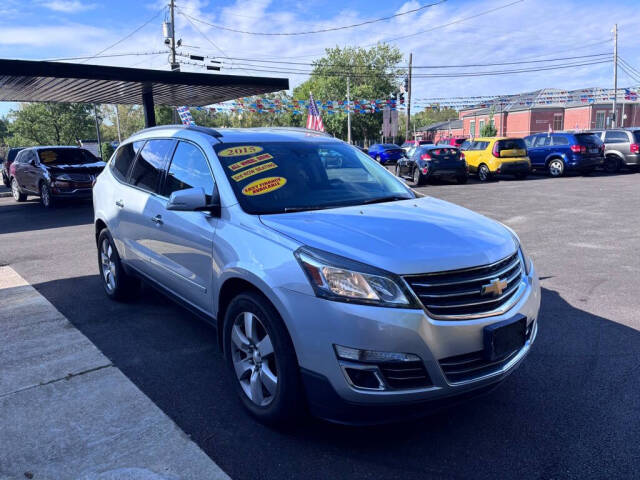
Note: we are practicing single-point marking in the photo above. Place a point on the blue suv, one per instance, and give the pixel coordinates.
(560, 152)
(385, 153)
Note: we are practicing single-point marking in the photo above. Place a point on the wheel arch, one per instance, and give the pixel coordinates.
(99, 226)
(554, 156)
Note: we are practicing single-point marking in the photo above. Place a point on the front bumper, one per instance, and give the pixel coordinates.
(316, 325)
(80, 193)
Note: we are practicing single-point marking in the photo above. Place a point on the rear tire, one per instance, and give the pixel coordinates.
(556, 167)
(612, 164)
(484, 174)
(418, 178)
(6, 181)
(262, 360)
(18, 196)
(117, 284)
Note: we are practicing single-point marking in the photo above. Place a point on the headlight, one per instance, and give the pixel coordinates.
(525, 258)
(338, 278)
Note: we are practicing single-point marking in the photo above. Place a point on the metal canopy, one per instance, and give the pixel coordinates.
(34, 81)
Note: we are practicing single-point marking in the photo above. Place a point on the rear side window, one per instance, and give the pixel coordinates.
(560, 140)
(611, 136)
(636, 135)
(189, 169)
(590, 139)
(149, 165)
(542, 141)
(122, 159)
(481, 145)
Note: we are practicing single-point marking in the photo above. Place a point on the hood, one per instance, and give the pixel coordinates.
(404, 237)
(94, 167)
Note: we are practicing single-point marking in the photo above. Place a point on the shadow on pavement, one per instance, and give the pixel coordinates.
(571, 411)
(30, 215)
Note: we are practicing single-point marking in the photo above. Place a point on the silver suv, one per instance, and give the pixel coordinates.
(333, 286)
(622, 148)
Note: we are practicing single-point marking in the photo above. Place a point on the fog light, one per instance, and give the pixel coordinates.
(370, 356)
(364, 378)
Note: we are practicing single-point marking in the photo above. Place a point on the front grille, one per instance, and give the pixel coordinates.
(460, 368)
(460, 293)
(402, 375)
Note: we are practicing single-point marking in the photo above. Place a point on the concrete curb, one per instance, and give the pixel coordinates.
(5, 194)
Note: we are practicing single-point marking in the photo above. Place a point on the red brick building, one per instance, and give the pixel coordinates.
(540, 111)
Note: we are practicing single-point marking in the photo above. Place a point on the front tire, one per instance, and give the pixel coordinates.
(484, 174)
(117, 284)
(556, 167)
(379, 159)
(6, 181)
(18, 196)
(46, 199)
(262, 360)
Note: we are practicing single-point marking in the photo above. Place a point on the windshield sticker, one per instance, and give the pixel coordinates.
(253, 171)
(47, 156)
(240, 151)
(264, 185)
(250, 161)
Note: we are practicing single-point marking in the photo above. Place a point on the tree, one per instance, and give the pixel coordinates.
(4, 130)
(489, 129)
(373, 75)
(50, 124)
(425, 118)
(131, 120)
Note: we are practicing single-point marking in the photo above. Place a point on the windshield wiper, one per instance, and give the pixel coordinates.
(390, 198)
(304, 209)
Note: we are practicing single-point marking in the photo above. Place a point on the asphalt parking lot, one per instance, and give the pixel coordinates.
(571, 411)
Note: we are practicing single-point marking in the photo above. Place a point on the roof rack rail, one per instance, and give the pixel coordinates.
(303, 129)
(206, 130)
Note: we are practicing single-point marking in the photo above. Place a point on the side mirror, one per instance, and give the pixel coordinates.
(194, 200)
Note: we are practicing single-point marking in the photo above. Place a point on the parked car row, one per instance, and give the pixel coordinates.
(51, 173)
(555, 153)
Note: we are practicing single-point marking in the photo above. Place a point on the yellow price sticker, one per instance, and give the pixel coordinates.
(240, 151)
(250, 172)
(264, 185)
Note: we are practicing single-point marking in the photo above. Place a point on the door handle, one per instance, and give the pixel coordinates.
(157, 220)
(119, 203)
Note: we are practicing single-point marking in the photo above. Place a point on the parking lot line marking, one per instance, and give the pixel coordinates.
(67, 412)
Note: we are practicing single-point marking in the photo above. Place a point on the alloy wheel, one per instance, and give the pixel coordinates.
(108, 265)
(254, 359)
(45, 195)
(14, 190)
(556, 167)
(483, 173)
(416, 176)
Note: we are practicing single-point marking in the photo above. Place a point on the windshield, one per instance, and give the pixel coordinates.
(278, 177)
(65, 156)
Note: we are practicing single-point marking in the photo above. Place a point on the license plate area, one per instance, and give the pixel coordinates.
(503, 338)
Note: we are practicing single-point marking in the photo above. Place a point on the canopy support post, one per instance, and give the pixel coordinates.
(148, 107)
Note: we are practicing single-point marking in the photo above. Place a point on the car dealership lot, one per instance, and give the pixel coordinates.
(572, 410)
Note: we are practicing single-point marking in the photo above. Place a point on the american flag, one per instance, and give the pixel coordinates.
(314, 120)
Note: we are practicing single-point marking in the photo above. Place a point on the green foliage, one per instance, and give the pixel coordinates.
(131, 120)
(328, 82)
(107, 150)
(4, 130)
(50, 124)
(488, 130)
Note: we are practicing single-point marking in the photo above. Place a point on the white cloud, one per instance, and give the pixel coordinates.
(68, 6)
(52, 36)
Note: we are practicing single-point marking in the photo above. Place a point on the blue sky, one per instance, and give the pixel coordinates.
(529, 29)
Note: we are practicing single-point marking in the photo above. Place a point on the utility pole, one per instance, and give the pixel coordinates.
(174, 66)
(614, 116)
(95, 115)
(409, 98)
(118, 124)
(348, 114)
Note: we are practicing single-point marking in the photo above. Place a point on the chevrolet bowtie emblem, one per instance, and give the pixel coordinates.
(495, 287)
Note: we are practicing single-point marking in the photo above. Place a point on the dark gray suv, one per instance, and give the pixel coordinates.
(622, 148)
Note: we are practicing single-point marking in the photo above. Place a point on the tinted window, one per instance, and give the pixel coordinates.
(65, 156)
(481, 145)
(189, 168)
(149, 164)
(560, 140)
(466, 145)
(11, 156)
(280, 177)
(615, 137)
(390, 146)
(122, 159)
(636, 134)
(588, 139)
(512, 144)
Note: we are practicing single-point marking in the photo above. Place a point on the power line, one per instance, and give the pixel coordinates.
(129, 35)
(323, 65)
(427, 75)
(629, 66)
(324, 30)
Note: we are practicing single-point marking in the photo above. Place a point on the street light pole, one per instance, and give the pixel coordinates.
(348, 114)
(118, 124)
(95, 115)
(409, 99)
(614, 116)
(174, 66)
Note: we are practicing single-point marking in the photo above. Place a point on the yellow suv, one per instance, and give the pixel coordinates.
(491, 156)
